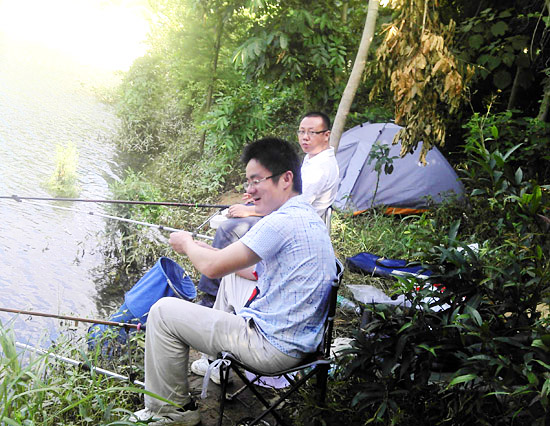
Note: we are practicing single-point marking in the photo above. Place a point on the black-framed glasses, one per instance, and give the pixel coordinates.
(311, 132)
(255, 182)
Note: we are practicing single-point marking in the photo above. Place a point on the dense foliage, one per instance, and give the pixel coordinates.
(472, 345)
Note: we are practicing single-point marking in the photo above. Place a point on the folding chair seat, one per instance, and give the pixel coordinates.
(317, 364)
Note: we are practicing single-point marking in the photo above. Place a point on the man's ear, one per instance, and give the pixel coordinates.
(288, 178)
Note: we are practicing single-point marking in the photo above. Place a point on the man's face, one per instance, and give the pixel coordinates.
(268, 196)
(313, 143)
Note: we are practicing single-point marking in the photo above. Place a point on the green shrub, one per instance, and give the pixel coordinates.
(471, 345)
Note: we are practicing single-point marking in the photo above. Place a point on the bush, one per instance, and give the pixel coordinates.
(471, 345)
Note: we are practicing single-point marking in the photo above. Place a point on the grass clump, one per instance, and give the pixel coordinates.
(41, 389)
(64, 180)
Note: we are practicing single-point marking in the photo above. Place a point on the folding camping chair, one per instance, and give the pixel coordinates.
(327, 218)
(317, 364)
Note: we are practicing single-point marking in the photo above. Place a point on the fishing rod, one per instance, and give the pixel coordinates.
(146, 203)
(79, 364)
(122, 219)
(76, 319)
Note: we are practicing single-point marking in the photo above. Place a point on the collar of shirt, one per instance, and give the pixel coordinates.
(329, 152)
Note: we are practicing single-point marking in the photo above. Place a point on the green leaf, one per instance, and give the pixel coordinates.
(508, 58)
(454, 230)
(257, 48)
(505, 14)
(499, 28)
(463, 379)
(493, 62)
(404, 327)
(478, 191)
(518, 176)
(510, 151)
(545, 365)
(428, 348)
(475, 41)
(475, 315)
(545, 388)
(283, 40)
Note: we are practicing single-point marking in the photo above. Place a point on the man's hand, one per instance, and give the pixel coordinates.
(180, 241)
(241, 210)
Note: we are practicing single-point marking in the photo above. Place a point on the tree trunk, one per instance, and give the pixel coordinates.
(515, 89)
(210, 91)
(355, 76)
(545, 103)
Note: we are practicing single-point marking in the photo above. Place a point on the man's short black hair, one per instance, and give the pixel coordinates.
(322, 115)
(277, 156)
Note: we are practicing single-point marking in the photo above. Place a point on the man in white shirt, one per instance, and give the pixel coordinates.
(320, 178)
(319, 169)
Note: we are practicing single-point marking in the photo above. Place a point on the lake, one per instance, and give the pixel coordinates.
(49, 258)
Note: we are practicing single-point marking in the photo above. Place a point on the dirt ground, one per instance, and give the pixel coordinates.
(244, 405)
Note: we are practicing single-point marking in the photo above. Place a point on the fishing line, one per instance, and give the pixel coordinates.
(122, 219)
(80, 364)
(146, 203)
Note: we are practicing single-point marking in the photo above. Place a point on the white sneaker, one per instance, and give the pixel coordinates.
(169, 414)
(200, 367)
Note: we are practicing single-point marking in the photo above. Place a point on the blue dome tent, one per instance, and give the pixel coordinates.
(411, 187)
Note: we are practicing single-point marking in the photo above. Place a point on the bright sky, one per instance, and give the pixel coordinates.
(104, 33)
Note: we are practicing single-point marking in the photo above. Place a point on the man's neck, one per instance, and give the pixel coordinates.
(291, 195)
(313, 155)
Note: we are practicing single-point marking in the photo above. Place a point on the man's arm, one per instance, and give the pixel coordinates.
(213, 263)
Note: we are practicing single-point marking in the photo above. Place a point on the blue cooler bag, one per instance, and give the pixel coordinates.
(165, 279)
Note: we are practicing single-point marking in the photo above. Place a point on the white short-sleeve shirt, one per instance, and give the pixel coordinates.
(320, 176)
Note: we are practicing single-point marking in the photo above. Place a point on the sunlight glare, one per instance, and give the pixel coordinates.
(108, 34)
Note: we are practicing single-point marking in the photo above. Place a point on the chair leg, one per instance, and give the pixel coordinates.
(224, 376)
(294, 387)
(270, 408)
(322, 377)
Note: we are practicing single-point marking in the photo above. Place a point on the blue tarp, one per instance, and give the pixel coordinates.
(369, 263)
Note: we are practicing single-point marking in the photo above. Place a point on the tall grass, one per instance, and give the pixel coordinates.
(374, 232)
(38, 389)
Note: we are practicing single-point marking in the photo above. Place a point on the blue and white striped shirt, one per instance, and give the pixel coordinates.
(294, 277)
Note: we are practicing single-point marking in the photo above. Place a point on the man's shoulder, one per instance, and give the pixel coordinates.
(297, 205)
(325, 155)
(292, 213)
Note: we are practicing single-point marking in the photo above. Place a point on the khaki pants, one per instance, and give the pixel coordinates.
(174, 325)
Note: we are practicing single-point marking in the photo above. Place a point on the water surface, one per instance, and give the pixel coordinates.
(47, 256)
